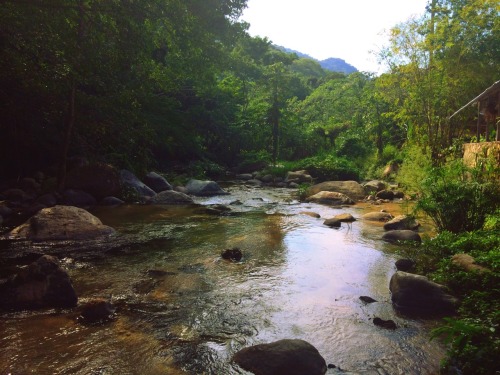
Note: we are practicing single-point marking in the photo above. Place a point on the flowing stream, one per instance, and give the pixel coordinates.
(182, 309)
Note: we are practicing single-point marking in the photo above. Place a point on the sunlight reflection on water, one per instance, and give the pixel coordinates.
(184, 310)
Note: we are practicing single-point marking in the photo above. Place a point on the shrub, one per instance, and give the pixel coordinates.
(457, 199)
(329, 167)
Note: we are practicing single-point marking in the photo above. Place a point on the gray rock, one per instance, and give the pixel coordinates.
(61, 223)
(156, 182)
(417, 294)
(42, 284)
(284, 357)
(402, 222)
(350, 188)
(132, 186)
(171, 197)
(395, 236)
(330, 198)
(332, 223)
(204, 188)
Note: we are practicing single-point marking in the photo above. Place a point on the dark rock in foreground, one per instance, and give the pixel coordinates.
(416, 294)
(284, 357)
(42, 284)
(367, 299)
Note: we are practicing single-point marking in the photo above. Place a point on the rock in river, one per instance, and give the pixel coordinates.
(330, 198)
(417, 294)
(61, 223)
(42, 284)
(283, 357)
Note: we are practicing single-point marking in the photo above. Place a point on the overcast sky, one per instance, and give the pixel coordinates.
(347, 29)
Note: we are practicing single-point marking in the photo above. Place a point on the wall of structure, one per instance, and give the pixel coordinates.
(474, 152)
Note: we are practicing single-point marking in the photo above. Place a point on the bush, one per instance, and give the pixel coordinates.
(328, 168)
(474, 336)
(457, 199)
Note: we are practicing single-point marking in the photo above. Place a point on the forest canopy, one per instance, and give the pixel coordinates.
(151, 83)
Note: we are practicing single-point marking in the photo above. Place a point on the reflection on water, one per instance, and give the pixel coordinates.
(184, 310)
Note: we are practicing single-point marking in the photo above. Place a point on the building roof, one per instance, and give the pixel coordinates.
(493, 89)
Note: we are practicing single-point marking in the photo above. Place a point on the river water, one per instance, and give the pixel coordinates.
(182, 309)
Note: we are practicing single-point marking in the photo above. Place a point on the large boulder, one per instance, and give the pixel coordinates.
(284, 357)
(156, 182)
(330, 198)
(402, 222)
(350, 188)
(204, 188)
(395, 236)
(100, 180)
(169, 197)
(42, 284)
(418, 295)
(133, 188)
(61, 223)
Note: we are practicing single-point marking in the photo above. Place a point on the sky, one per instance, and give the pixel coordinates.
(348, 29)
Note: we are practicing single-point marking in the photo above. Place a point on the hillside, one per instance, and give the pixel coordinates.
(332, 64)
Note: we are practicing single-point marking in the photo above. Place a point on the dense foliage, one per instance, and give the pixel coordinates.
(167, 85)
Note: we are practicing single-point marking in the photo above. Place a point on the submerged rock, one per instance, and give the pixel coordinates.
(42, 284)
(283, 357)
(97, 310)
(233, 254)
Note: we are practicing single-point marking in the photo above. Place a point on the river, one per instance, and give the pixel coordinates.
(182, 309)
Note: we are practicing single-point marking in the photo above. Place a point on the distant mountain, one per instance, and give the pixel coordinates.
(337, 65)
(332, 64)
